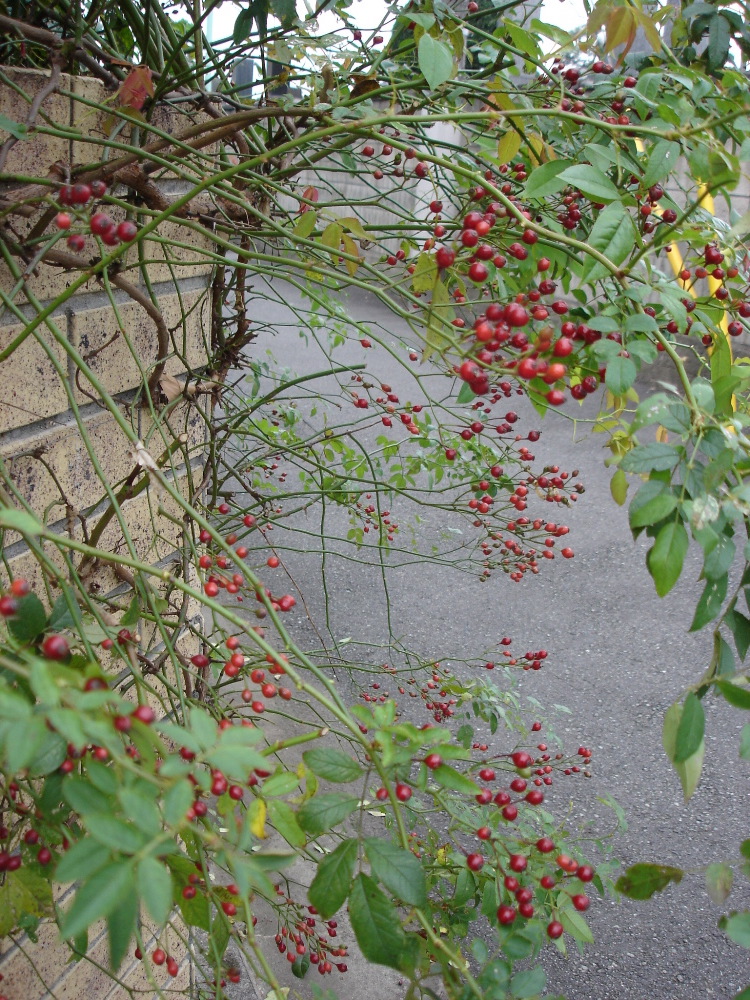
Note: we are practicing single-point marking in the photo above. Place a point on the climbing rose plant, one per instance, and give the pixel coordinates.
(534, 206)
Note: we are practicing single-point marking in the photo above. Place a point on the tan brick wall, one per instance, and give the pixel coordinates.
(49, 466)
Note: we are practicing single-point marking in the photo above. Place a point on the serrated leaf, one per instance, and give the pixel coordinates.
(545, 179)
(120, 929)
(528, 983)
(449, 777)
(710, 602)
(641, 881)
(83, 858)
(97, 897)
(719, 878)
(590, 181)
(652, 503)
(667, 555)
(282, 818)
(621, 374)
(576, 925)
(613, 235)
(657, 456)
(661, 161)
(330, 887)
(154, 883)
(398, 870)
(435, 60)
(332, 764)
(48, 756)
(23, 893)
(375, 923)
(326, 811)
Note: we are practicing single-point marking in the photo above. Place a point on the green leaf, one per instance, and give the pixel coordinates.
(115, 833)
(652, 503)
(745, 742)
(332, 764)
(575, 924)
(528, 983)
(667, 555)
(719, 877)
(282, 818)
(435, 61)
(449, 777)
(304, 226)
(664, 156)
(621, 374)
(154, 883)
(23, 740)
(375, 923)
(613, 235)
(738, 928)
(398, 870)
(84, 858)
(326, 811)
(120, 928)
(618, 487)
(736, 695)
(690, 730)
(282, 783)
(19, 520)
(97, 897)
(590, 181)
(641, 881)
(235, 761)
(710, 602)
(285, 11)
(24, 893)
(243, 25)
(654, 457)
(544, 179)
(330, 887)
(466, 394)
(425, 273)
(177, 801)
(60, 616)
(688, 771)
(17, 129)
(49, 755)
(719, 37)
(30, 620)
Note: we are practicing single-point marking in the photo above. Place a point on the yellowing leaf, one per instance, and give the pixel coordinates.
(257, 822)
(508, 146)
(354, 226)
(351, 248)
(621, 30)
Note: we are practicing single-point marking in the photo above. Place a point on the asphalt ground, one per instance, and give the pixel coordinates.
(618, 657)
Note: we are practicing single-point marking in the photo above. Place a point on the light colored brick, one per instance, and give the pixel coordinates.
(34, 156)
(70, 464)
(33, 390)
(117, 364)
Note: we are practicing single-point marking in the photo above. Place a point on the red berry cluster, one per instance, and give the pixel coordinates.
(78, 197)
